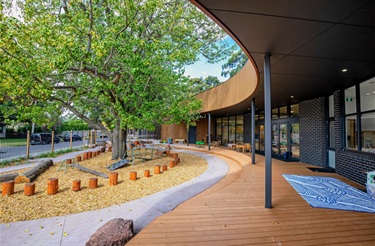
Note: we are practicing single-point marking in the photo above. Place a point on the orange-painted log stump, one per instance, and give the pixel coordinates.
(102, 149)
(98, 152)
(175, 156)
(113, 178)
(164, 168)
(78, 158)
(93, 183)
(171, 155)
(29, 189)
(89, 155)
(109, 149)
(85, 155)
(172, 163)
(157, 169)
(147, 173)
(93, 153)
(52, 186)
(7, 187)
(133, 175)
(76, 185)
(68, 161)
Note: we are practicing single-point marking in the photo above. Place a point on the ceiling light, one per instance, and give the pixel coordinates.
(291, 96)
(344, 70)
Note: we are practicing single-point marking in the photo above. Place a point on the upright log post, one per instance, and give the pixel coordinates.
(78, 158)
(110, 149)
(93, 183)
(133, 175)
(175, 156)
(52, 186)
(68, 161)
(113, 178)
(7, 188)
(85, 156)
(76, 185)
(28, 145)
(93, 153)
(147, 173)
(172, 163)
(53, 142)
(29, 189)
(165, 168)
(157, 169)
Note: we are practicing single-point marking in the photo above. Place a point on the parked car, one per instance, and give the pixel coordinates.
(43, 138)
(75, 137)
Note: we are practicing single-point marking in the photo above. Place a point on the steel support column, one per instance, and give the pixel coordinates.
(267, 130)
(209, 131)
(253, 131)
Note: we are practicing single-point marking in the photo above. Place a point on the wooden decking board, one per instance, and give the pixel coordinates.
(232, 213)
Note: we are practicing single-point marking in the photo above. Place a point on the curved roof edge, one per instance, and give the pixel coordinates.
(235, 90)
(232, 92)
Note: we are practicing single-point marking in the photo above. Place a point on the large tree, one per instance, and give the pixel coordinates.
(114, 64)
(234, 64)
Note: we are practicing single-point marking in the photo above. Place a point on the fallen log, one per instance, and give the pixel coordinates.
(34, 172)
(8, 177)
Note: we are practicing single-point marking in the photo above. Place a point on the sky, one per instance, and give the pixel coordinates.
(203, 69)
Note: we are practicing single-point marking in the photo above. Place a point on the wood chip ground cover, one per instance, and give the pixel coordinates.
(18, 207)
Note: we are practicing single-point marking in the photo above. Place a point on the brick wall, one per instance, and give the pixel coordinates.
(350, 164)
(313, 145)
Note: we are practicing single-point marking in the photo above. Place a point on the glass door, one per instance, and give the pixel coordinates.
(275, 139)
(283, 138)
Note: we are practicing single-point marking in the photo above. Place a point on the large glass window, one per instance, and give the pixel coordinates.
(284, 112)
(275, 138)
(368, 132)
(275, 113)
(350, 101)
(294, 110)
(229, 129)
(362, 122)
(351, 132)
(294, 133)
(283, 138)
(367, 92)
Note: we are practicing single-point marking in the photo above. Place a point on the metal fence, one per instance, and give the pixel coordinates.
(14, 150)
(23, 148)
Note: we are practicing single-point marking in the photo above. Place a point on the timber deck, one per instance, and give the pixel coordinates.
(232, 212)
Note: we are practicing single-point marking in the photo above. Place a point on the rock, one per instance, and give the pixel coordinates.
(115, 232)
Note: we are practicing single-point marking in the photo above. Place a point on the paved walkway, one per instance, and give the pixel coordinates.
(76, 229)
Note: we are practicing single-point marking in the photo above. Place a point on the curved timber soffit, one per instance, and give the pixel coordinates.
(247, 77)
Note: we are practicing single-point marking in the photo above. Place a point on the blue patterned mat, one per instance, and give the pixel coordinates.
(326, 192)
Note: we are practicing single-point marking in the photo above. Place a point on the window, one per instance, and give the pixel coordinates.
(368, 132)
(331, 120)
(294, 110)
(284, 112)
(275, 113)
(362, 122)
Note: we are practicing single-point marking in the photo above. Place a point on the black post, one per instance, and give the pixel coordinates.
(267, 126)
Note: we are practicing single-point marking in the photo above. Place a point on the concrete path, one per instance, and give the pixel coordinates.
(76, 229)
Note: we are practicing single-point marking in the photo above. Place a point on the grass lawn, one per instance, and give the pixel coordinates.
(12, 141)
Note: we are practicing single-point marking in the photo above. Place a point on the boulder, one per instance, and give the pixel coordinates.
(115, 232)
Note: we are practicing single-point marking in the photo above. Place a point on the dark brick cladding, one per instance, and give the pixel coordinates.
(312, 132)
(350, 164)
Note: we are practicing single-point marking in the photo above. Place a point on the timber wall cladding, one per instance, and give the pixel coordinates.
(233, 91)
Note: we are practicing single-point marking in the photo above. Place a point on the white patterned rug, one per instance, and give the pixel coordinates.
(326, 192)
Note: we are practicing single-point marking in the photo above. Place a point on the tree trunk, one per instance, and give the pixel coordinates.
(118, 142)
(34, 172)
(115, 142)
(8, 177)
